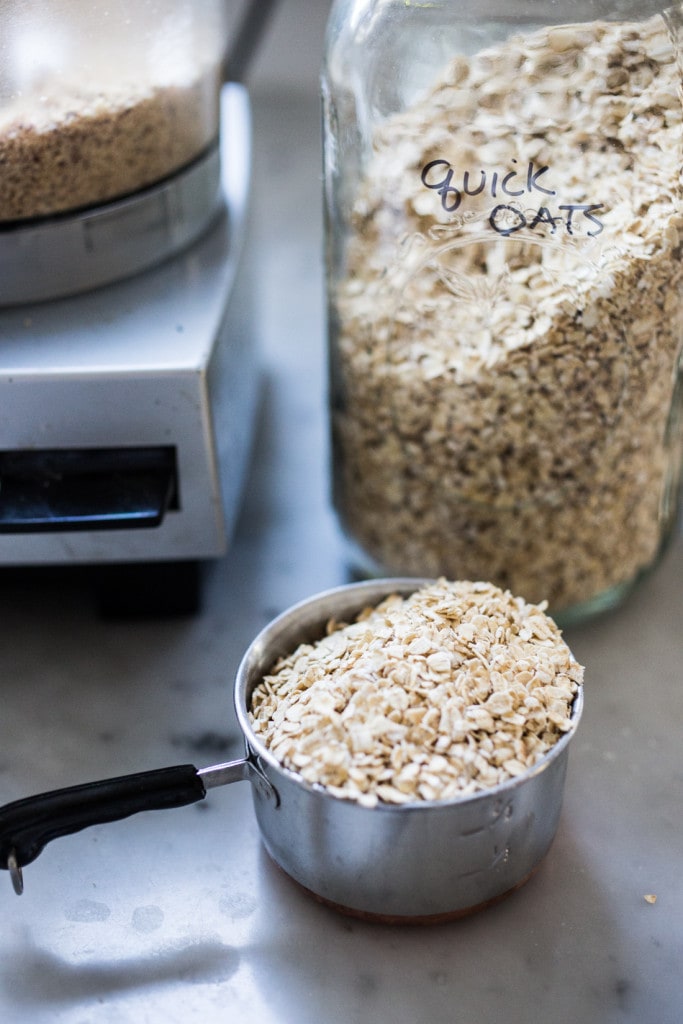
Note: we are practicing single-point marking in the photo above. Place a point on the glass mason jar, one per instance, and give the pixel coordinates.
(503, 237)
(101, 98)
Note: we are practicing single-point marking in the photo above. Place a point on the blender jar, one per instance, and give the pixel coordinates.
(101, 99)
(503, 244)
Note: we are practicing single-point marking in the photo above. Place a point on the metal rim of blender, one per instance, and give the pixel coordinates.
(262, 654)
(67, 254)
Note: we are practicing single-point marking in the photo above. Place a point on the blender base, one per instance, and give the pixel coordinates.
(162, 362)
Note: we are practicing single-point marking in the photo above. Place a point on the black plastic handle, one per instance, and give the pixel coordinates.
(27, 825)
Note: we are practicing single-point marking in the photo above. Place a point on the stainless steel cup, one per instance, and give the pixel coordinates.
(416, 862)
(421, 860)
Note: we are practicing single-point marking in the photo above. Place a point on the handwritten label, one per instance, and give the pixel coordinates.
(506, 218)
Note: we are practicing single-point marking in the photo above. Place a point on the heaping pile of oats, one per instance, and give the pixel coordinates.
(449, 691)
(503, 409)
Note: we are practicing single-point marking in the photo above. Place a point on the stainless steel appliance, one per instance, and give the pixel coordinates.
(128, 370)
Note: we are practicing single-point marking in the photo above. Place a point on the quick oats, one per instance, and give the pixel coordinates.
(507, 325)
(451, 690)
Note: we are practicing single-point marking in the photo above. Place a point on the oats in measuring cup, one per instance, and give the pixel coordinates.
(449, 691)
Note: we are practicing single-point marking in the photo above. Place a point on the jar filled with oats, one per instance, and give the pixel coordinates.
(102, 98)
(504, 229)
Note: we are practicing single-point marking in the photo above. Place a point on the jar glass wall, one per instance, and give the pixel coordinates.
(503, 223)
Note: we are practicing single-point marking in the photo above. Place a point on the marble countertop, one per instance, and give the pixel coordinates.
(179, 916)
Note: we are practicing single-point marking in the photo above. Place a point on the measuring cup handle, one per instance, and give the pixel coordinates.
(27, 825)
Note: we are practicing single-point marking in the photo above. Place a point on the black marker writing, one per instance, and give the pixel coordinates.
(508, 218)
(438, 175)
